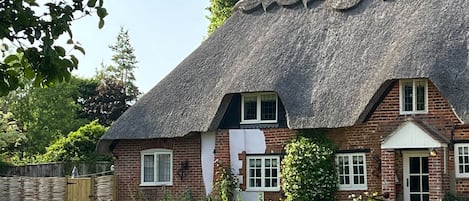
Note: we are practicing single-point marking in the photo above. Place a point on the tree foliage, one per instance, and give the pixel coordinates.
(11, 135)
(116, 90)
(308, 171)
(79, 145)
(28, 40)
(50, 113)
(108, 102)
(219, 10)
(125, 63)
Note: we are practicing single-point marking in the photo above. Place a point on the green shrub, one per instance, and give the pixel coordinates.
(225, 182)
(308, 170)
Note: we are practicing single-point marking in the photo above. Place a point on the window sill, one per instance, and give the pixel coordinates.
(259, 122)
(358, 188)
(156, 184)
(411, 112)
(263, 189)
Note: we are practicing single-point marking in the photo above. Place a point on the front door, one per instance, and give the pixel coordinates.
(416, 176)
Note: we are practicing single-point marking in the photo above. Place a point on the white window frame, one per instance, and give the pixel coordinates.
(457, 162)
(414, 97)
(263, 188)
(258, 109)
(352, 185)
(155, 153)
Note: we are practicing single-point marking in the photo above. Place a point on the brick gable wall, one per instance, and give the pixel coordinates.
(382, 122)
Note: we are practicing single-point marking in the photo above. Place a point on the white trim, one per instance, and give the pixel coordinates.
(263, 188)
(406, 182)
(258, 108)
(410, 135)
(456, 160)
(414, 98)
(156, 152)
(352, 186)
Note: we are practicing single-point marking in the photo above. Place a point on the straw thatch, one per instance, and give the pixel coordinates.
(326, 64)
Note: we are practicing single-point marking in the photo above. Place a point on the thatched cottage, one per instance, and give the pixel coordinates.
(388, 81)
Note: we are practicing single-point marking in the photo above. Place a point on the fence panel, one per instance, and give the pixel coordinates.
(57, 169)
(56, 188)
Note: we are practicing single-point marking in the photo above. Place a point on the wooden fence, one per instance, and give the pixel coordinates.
(58, 169)
(100, 188)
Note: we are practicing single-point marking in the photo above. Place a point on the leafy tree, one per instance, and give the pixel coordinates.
(308, 171)
(125, 64)
(79, 145)
(108, 103)
(11, 136)
(32, 31)
(219, 10)
(49, 113)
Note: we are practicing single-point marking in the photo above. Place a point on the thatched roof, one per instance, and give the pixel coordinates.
(325, 63)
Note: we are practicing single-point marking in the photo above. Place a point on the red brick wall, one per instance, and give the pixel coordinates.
(127, 167)
(366, 135)
(382, 122)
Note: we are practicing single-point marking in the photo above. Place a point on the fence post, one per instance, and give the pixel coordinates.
(93, 191)
(114, 187)
(66, 188)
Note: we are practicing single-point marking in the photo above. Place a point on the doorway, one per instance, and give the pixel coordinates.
(416, 182)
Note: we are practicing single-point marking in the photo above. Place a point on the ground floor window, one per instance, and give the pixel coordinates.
(156, 167)
(352, 171)
(263, 173)
(461, 159)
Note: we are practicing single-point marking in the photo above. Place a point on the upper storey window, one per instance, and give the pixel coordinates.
(259, 108)
(413, 96)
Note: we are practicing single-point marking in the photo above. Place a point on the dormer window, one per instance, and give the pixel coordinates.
(259, 108)
(413, 96)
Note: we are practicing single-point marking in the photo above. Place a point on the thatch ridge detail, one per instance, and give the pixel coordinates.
(249, 6)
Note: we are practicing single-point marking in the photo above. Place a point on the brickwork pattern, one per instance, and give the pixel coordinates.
(383, 166)
(380, 124)
(127, 168)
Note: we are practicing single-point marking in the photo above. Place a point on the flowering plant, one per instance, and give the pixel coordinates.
(225, 182)
(375, 196)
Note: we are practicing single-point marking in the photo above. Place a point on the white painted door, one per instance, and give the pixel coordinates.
(416, 186)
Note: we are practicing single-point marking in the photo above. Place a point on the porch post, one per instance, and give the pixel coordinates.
(388, 172)
(436, 175)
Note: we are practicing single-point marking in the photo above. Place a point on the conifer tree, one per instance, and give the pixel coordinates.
(125, 63)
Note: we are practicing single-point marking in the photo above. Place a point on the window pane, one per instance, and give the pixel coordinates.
(415, 197)
(414, 164)
(407, 95)
(414, 183)
(424, 164)
(267, 183)
(268, 107)
(164, 167)
(275, 182)
(252, 183)
(252, 163)
(420, 87)
(148, 168)
(425, 185)
(250, 107)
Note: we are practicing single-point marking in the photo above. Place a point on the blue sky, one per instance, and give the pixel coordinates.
(163, 33)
